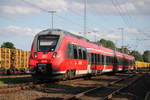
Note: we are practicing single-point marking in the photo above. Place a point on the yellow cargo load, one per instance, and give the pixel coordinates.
(142, 65)
(12, 58)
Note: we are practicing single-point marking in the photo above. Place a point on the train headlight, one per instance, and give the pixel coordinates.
(54, 55)
(35, 55)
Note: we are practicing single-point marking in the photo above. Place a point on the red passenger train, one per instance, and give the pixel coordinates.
(60, 53)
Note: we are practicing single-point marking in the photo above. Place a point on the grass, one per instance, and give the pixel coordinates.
(1, 82)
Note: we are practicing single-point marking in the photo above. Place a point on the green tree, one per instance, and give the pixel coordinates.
(125, 49)
(146, 56)
(107, 43)
(8, 45)
(137, 55)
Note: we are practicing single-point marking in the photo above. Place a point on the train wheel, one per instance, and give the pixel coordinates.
(88, 77)
(36, 79)
(10, 72)
(65, 76)
(71, 74)
(2, 71)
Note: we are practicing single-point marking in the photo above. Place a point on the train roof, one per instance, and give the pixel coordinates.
(60, 32)
(63, 32)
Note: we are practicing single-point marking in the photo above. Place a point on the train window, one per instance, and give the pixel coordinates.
(106, 60)
(115, 60)
(98, 59)
(47, 43)
(89, 58)
(125, 62)
(75, 53)
(109, 60)
(130, 62)
(80, 54)
(95, 59)
(122, 61)
(84, 54)
(119, 61)
(69, 51)
(102, 59)
(112, 60)
(92, 58)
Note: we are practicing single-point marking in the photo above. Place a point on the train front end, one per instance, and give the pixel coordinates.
(43, 52)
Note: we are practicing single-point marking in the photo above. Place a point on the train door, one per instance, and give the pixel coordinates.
(80, 59)
(115, 65)
(104, 63)
(93, 63)
(89, 62)
(123, 64)
(69, 62)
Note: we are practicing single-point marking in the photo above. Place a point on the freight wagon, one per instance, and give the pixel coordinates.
(13, 61)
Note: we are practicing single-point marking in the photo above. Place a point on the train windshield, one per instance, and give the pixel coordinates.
(47, 43)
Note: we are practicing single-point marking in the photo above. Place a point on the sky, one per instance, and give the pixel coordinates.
(20, 20)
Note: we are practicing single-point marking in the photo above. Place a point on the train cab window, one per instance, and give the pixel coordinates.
(47, 43)
(75, 53)
(80, 54)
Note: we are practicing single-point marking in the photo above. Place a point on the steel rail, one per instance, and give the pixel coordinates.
(110, 95)
(98, 87)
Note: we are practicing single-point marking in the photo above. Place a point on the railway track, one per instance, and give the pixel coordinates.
(18, 87)
(111, 86)
(106, 91)
(14, 76)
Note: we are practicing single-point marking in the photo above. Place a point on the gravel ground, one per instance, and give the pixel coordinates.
(59, 90)
(137, 91)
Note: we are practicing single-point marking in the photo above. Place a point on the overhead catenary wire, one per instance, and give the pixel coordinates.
(78, 24)
(128, 17)
(119, 12)
(125, 13)
(44, 10)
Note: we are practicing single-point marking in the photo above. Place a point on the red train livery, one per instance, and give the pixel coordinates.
(61, 53)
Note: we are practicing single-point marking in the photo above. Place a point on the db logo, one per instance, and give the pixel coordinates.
(44, 56)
